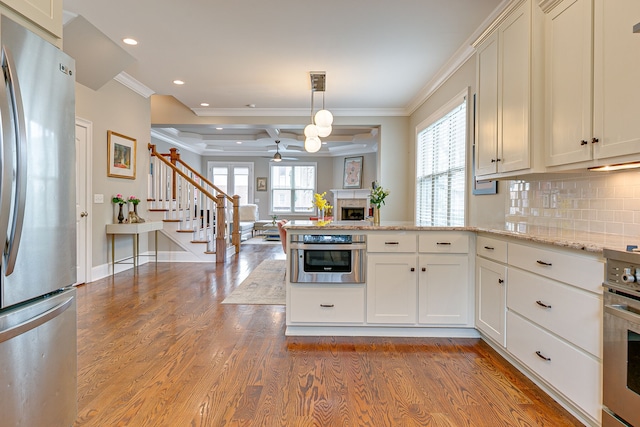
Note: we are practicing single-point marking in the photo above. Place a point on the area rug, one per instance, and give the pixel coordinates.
(260, 240)
(264, 285)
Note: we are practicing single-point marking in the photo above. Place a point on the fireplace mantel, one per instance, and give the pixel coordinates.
(350, 199)
(350, 194)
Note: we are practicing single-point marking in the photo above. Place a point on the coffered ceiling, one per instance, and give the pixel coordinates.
(252, 58)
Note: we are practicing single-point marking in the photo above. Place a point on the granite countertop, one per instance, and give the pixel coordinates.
(584, 241)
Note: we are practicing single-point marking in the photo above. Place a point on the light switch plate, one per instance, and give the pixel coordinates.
(98, 198)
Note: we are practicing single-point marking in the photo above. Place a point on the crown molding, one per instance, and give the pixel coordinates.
(548, 5)
(169, 139)
(133, 84)
(462, 55)
(297, 112)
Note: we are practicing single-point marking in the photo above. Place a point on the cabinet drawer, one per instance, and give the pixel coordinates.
(396, 242)
(574, 314)
(444, 242)
(572, 372)
(581, 271)
(491, 248)
(327, 304)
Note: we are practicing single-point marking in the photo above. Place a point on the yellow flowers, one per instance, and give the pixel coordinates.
(378, 194)
(320, 202)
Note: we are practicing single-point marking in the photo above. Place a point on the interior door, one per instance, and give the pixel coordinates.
(83, 191)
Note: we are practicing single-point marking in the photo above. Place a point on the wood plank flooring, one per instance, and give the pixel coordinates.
(156, 348)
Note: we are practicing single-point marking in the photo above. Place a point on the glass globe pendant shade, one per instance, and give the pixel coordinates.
(312, 144)
(323, 118)
(277, 157)
(311, 130)
(324, 131)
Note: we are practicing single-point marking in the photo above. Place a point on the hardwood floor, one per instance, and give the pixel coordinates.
(156, 348)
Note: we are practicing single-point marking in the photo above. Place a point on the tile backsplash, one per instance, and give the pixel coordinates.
(570, 205)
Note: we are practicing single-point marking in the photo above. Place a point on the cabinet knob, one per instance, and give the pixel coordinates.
(594, 140)
(584, 142)
(493, 160)
(498, 160)
(424, 269)
(413, 269)
(501, 281)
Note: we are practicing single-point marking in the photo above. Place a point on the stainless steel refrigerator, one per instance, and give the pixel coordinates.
(38, 317)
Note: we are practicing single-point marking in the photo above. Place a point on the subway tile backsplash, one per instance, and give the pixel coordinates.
(570, 205)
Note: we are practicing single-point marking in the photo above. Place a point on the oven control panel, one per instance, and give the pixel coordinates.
(623, 273)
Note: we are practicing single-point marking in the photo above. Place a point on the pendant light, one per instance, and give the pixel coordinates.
(277, 157)
(320, 125)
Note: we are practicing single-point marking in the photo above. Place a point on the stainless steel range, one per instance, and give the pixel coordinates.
(621, 340)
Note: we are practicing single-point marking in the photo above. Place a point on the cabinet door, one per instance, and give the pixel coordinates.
(491, 294)
(616, 78)
(45, 13)
(443, 289)
(391, 288)
(568, 82)
(486, 147)
(514, 92)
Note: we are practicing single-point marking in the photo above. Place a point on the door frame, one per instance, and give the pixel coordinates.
(88, 160)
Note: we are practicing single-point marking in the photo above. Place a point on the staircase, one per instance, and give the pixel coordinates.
(197, 215)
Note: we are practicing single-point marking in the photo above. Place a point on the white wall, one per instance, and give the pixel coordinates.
(116, 108)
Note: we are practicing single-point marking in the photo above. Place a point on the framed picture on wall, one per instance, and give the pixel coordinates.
(352, 172)
(121, 156)
(261, 183)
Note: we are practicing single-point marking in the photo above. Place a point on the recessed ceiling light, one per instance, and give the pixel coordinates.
(178, 82)
(238, 142)
(204, 104)
(130, 41)
(219, 128)
(251, 105)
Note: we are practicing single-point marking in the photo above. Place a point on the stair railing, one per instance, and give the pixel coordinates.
(194, 202)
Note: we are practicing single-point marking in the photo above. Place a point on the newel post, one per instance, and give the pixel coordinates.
(235, 236)
(221, 244)
(174, 157)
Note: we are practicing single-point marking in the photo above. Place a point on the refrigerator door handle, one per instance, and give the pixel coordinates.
(6, 165)
(36, 321)
(13, 240)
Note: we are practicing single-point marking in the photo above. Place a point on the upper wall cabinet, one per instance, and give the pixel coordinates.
(592, 85)
(507, 105)
(45, 14)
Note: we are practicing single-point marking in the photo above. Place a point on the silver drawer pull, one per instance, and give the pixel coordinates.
(548, 264)
(391, 243)
(443, 243)
(541, 304)
(489, 248)
(327, 305)
(541, 356)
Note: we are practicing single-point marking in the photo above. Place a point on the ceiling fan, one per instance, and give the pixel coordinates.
(277, 157)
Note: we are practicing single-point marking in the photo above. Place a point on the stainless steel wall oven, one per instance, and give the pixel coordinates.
(328, 258)
(621, 340)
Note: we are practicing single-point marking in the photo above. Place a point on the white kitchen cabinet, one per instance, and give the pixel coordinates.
(591, 83)
(443, 289)
(392, 282)
(46, 14)
(326, 303)
(491, 294)
(506, 78)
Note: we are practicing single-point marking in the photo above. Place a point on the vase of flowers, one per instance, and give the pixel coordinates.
(378, 194)
(134, 201)
(321, 204)
(119, 200)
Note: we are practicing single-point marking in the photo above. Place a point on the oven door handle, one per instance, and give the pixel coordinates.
(329, 247)
(621, 311)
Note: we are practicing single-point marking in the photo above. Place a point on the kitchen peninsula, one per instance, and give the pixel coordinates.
(452, 282)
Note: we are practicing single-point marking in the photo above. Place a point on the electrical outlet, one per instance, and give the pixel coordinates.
(98, 198)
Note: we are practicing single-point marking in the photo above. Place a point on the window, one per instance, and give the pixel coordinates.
(440, 181)
(233, 178)
(292, 188)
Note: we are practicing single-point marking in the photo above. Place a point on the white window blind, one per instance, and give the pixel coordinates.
(440, 186)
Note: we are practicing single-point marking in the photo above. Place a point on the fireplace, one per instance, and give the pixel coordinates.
(350, 205)
(348, 213)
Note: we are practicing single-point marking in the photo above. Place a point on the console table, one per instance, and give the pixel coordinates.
(133, 230)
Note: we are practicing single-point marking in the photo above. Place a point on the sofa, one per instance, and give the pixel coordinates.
(248, 216)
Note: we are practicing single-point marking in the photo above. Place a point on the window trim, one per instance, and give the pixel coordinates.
(462, 97)
(270, 188)
(230, 165)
